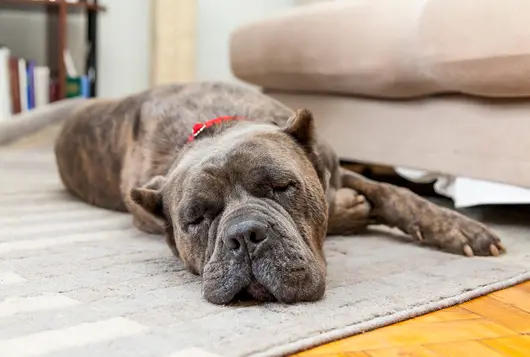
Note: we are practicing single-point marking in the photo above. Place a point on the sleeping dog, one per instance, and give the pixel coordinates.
(242, 187)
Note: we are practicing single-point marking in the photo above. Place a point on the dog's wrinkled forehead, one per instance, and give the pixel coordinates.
(216, 148)
(244, 147)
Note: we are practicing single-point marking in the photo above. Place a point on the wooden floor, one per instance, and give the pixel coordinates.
(491, 326)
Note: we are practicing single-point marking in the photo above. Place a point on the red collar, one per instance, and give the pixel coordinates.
(199, 127)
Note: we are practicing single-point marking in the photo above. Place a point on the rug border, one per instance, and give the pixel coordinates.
(352, 330)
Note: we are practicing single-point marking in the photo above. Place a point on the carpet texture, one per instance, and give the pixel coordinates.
(80, 281)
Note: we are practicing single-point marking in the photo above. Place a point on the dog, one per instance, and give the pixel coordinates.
(241, 186)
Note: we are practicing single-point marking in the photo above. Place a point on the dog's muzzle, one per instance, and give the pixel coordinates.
(264, 258)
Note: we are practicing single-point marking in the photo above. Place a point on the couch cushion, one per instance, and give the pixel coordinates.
(390, 48)
(452, 134)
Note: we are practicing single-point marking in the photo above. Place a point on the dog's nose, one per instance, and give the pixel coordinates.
(246, 234)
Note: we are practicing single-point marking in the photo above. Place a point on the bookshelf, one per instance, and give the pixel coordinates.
(59, 11)
(51, 3)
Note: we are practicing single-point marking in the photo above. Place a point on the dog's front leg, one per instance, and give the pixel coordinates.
(423, 220)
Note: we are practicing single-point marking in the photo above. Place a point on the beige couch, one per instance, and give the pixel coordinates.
(436, 85)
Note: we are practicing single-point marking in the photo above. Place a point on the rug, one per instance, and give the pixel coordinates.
(76, 280)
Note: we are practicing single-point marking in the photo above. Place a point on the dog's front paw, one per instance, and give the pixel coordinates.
(456, 233)
(350, 213)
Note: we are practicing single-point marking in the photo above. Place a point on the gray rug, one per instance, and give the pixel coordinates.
(80, 281)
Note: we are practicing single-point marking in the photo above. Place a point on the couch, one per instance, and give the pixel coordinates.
(434, 85)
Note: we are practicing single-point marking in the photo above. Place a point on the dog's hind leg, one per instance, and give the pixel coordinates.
(423, 220)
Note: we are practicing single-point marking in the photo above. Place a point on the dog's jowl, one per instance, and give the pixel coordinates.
(241, 186)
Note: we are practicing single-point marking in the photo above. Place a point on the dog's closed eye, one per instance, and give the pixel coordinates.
(199, 213)
(280, 191)
(196, 221)
(193, 223)
(284, 187)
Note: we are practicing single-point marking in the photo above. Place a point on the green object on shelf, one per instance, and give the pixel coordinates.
(73, 87)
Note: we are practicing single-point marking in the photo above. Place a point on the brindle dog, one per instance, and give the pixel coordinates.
(246, 204)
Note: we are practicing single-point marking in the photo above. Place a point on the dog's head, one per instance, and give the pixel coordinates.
(247, 211)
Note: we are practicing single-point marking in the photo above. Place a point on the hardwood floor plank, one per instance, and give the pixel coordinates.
(517, 346)
(515, 296)
(500, 312)
(463, 349)
(407, 351)
(525, 287)
(417, 334)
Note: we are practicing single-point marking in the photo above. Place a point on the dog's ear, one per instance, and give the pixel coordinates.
(149, 196)
(301, 127)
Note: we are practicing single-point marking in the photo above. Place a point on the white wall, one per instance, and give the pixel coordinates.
(124, 46)
(215, 21)
(124, 42)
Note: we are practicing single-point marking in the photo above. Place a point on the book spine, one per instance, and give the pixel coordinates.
(31, 84)
(54, 90)
(85, 87)
(15, 85)
(42, 86)
(5, 92)
(23, 84)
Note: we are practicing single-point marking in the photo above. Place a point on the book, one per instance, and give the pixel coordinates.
(23, 84)
(30, 67)
(73, 87)
(5, 91)
(54, 90)
(85, 87)
(42, 85)
(14, 85)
